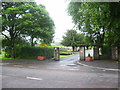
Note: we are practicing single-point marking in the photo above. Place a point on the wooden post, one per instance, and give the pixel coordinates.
(114, 52)
(96, 52)
(82, 52)
(56, 54)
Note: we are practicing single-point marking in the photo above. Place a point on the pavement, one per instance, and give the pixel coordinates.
(101, 64)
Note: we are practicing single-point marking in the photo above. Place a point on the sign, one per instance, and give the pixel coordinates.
(43, 45)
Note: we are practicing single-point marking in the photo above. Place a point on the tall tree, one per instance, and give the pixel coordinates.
(24, 18)
(97, 25)
(42, 25)
(74, 39)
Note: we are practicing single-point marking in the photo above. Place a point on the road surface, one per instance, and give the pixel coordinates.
(57, 74)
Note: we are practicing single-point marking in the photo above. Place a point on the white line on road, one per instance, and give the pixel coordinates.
(73, 69)
(33, 78)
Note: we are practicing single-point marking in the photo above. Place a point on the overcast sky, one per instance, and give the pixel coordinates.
(57, 11)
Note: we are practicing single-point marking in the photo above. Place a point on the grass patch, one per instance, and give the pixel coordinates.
(63, 56)
(6, 58)
(2, 56)
(65, 52)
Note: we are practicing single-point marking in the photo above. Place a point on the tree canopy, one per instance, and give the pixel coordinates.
(99, 20)
(74, 39)
(23, 19)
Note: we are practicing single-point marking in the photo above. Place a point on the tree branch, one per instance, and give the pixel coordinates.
(6, 36)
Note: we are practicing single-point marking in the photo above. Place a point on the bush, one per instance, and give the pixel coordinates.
(118, 58)
(65, 52)
(33, 52)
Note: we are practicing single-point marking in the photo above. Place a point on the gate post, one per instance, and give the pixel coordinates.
(82, 52)
(56, 54)
(119, 53)
(96, 52)
(114, 52)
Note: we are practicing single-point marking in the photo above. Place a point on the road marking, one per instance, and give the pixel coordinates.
(62, 65)
(33, 78)
(103, 70)
(73, 69)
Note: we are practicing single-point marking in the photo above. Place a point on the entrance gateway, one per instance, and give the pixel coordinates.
(115, 52)
(95, 52)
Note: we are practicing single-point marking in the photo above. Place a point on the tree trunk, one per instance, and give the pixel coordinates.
(32, 43)
(102, 39)
(12, 52)
(73, 48)
(12, 49)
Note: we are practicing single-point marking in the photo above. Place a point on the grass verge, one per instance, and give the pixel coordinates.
(63, 56)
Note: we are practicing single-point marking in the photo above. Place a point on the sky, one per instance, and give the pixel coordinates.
(57, 11)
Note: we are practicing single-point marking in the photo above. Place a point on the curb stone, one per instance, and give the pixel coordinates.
(109, 69)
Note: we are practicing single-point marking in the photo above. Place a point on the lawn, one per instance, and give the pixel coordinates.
(65, 53)
(63, 56)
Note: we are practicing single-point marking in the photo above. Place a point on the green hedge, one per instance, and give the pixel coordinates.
(33, 52)
(65, 52)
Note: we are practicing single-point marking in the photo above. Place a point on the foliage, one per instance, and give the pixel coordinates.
(25, 19)
(89, 55)
(65, 52)
(74, 39)
(20, 42)
(69, 38)
(33, 52)
(102, 26)
(63, 56)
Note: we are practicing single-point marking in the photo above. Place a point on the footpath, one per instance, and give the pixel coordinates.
(101, 64)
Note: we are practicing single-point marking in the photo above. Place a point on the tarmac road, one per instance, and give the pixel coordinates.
(58, 74)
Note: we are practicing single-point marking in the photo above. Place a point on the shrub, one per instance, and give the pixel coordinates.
(89, 55)
(33, 52)
(65, 52)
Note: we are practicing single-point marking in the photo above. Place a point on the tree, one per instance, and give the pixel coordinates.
(42, 25)
(112, 35)
(25, 19)
(20, 42)
(102, 25)
(74, 39)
